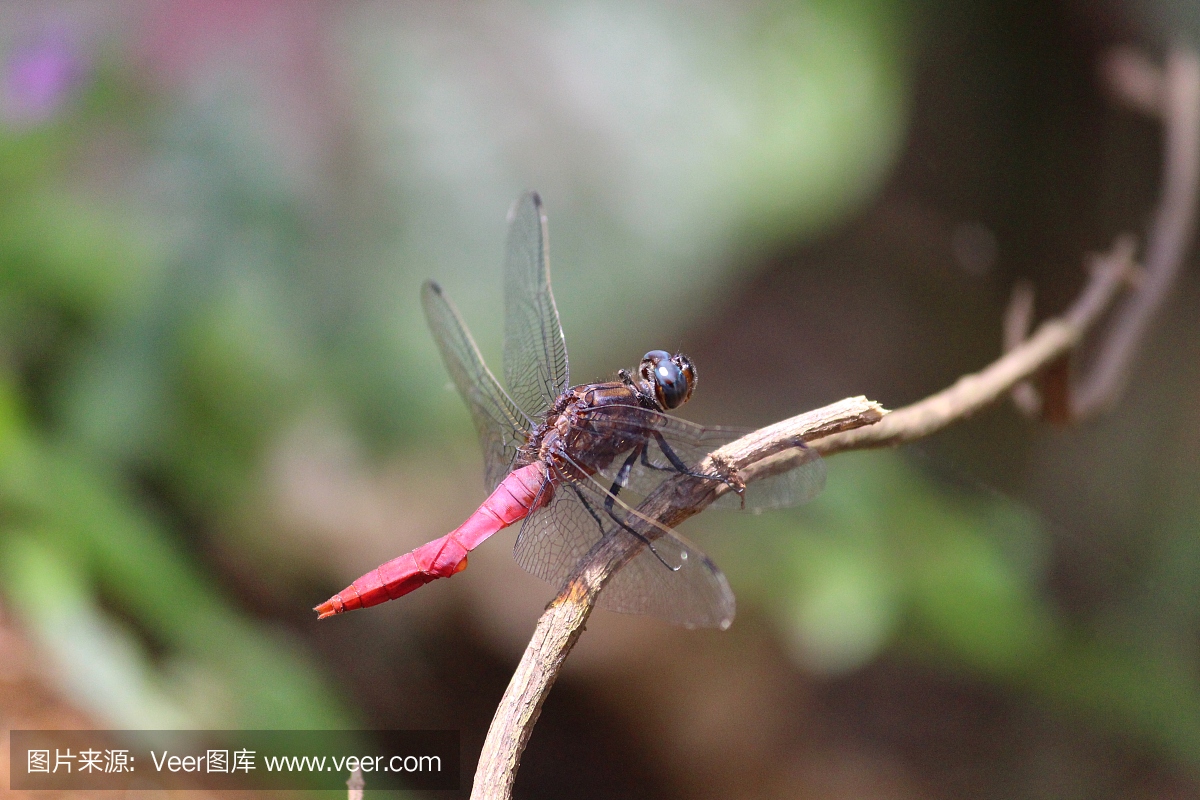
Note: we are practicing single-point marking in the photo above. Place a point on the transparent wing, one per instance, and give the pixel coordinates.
(501, 426)
(665, 436)
(675, 581)
(554, 537)
(535, 354)
(696, 596)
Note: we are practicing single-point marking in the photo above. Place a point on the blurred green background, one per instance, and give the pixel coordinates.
(219, 403)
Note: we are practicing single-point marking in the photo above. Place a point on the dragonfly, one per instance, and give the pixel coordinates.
(572, 462)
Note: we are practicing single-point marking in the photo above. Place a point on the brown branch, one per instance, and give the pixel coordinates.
(1172, 94)
(355, 785)
(857, 423)
(1134, 80)
(1053, 339)
(563, 621)
(1018, 319)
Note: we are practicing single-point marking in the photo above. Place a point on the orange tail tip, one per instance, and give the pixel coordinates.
(330, 607)
(345, 600)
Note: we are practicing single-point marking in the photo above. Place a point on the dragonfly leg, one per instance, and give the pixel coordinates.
(677, 464)
(628, 380)
(623, 473)
(608, 508)
(681, 469)
(588, 506)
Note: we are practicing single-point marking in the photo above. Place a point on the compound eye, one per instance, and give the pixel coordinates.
(653, 358)
(671, 386)
(650, 361)
(689, 374)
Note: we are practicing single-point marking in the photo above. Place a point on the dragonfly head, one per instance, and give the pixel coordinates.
(669, 379)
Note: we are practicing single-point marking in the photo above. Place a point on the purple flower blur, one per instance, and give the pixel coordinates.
(38, 77)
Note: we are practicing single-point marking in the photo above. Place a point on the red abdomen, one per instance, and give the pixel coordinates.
(512, 501)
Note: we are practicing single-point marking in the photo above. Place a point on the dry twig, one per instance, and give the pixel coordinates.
(1171, 95)
(1053, 339)
(1018, 319)
(355, 785)
(1170, 234)
(857, 423)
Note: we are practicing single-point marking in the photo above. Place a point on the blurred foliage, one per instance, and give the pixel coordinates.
(162, 329)
(79, 543)
(887, 557)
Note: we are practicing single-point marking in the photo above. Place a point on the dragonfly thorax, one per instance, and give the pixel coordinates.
(663, 382)
(567, 439)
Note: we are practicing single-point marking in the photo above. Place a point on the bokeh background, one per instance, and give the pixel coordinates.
(219, 404)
